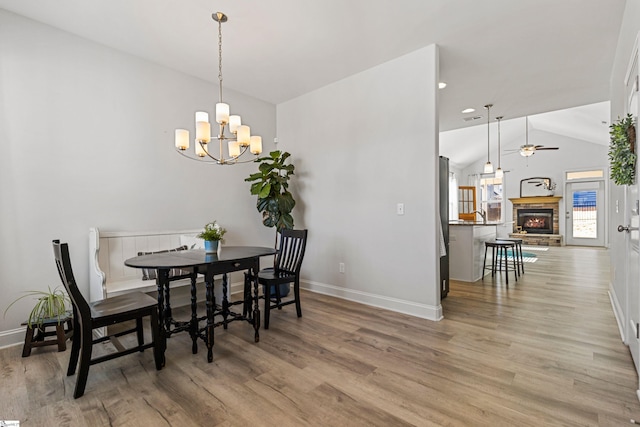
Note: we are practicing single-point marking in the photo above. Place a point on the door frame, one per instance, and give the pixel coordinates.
(602, 213)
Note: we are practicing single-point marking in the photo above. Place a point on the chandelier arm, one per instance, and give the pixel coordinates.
(197, 159)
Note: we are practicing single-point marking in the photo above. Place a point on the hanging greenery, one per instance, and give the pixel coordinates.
(622, 153)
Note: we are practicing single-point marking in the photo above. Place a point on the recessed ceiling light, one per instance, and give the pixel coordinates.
(468, 110)
(442, 85)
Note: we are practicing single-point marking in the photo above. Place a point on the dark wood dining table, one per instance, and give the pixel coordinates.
(194, 262)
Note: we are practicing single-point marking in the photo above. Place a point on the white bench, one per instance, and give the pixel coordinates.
(108, 276)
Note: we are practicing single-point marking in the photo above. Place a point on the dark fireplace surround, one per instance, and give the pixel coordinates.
(535, 220)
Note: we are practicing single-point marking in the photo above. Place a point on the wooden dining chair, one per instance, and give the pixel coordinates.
(100, 314)
(286, 271)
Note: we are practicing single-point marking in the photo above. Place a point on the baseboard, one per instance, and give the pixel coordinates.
(423, 311)
(12, 337)
(617, 311)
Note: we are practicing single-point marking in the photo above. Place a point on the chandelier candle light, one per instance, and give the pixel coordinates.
(488, 167)
(238, 144)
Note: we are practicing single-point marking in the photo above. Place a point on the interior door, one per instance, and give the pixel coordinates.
(585, 213)
(630, 227)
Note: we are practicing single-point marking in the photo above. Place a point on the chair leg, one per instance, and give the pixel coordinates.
(267, 305)
(506, 265)
(158, 357)
(76, 342)
(278, 298)
(85, 361)
(140, 333)
(296, 294)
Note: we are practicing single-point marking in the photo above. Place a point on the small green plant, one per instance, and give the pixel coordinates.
(622, 156)
(271, 185)
(212, 232)
(51, 304)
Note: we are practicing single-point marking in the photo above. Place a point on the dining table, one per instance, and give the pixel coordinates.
(191, 263)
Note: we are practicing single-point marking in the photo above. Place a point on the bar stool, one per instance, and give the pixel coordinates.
(499, 249)
(517, 253)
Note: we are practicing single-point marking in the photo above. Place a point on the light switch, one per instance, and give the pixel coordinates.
(400, 209)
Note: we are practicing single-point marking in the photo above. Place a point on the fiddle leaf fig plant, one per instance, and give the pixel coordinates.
(271, 185)
(622, 156)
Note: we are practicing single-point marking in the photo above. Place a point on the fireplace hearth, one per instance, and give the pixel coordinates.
(537, 220)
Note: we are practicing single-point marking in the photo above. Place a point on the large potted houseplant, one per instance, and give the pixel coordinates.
(275, 201)
(622, 153)
(213, 235)
(271, 185)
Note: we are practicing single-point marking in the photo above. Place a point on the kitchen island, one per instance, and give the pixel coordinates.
(466, 248)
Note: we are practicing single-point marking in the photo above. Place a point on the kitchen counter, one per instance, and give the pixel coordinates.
(466, 248)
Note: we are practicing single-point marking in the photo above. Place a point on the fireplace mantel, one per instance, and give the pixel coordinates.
(538, 199)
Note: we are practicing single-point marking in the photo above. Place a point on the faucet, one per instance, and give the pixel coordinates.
(483, 214)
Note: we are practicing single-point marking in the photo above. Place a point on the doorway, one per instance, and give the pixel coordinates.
(585, 213)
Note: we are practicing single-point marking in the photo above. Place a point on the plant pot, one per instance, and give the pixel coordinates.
(211, 246)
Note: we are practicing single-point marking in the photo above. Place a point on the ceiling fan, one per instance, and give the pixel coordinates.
(528, 150)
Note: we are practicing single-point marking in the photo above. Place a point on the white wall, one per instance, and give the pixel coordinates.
(361, 146)
(573, 154)
(87, 140)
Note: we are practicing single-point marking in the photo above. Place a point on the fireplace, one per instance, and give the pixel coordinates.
(537, 220)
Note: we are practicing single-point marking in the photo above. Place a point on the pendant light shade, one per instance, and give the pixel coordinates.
(488, 167)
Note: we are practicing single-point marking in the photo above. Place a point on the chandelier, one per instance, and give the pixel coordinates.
(239, 140)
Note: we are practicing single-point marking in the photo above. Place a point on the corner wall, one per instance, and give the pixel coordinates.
(361, 146)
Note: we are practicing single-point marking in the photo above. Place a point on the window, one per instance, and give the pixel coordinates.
(491, 198)
(598, 173)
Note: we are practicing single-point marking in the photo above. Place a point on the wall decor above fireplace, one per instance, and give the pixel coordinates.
(536, 187)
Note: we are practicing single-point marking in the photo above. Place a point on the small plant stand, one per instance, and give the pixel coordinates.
(36, 334)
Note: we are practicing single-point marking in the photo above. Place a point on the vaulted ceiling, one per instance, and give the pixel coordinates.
(525, 57)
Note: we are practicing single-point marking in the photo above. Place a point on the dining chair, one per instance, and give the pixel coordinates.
(100, 314)
(286, 271)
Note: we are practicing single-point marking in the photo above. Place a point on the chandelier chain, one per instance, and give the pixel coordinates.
(220, 56)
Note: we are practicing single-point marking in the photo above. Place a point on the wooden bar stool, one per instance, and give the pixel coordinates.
(36, 334)
(498, 251)
(517, 253)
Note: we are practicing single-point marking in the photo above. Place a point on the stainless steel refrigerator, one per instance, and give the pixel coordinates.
(444, 220)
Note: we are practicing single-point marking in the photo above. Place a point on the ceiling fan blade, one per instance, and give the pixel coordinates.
(548, 148)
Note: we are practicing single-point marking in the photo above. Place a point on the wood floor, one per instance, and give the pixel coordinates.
(544, 351)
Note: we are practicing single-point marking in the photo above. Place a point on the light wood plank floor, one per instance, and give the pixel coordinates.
(544, 351)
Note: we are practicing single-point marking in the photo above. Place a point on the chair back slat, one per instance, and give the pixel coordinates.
(63, 262)
(291, 253)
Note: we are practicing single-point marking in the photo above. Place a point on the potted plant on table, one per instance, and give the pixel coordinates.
(212, 235)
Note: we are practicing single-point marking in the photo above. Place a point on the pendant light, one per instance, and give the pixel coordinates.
(488, 167)
(499, 171)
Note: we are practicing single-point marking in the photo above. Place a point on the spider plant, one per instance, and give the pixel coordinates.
(50, 304)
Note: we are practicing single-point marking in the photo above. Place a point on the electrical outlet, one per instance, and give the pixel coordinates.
(341, 267)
